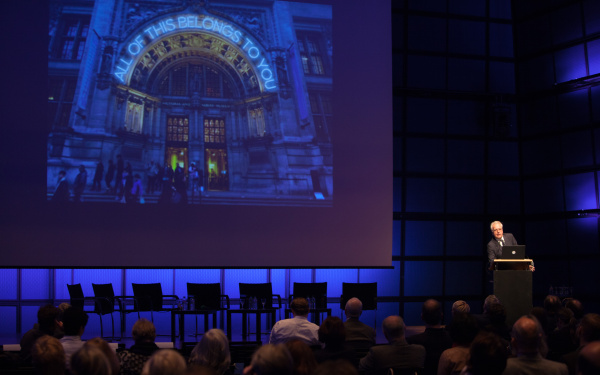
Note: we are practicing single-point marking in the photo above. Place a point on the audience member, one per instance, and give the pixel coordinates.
(339, 367)
(212, 351)
(527, 341)
(133, 360)
(462, 329)
(551, 305)
(90, 360)
(542, 317)
(460, 306)
(74, 322)
(46, 325)
(397, 354)
(199, 370)
(110, 354)
(496, 321)
(355, 329)
(165, 362)
(297, 327)
(483, 319)
(587, 332)
(576, 306)
(563, 339)
(48, 356)
(588, 362)
(333, 336)
(271, 359)
(487, 355)
(303, 357)
(435, 339)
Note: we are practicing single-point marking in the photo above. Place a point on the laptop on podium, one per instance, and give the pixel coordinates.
(513, 252)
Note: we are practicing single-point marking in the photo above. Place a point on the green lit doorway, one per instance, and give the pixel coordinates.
(215, 154)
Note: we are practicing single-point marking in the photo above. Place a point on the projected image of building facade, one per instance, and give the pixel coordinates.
(211, 102)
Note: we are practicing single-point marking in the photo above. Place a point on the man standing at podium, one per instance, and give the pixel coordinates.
(494, 247)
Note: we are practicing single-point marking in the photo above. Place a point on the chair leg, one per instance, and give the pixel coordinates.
(112, 320)
(101, 329)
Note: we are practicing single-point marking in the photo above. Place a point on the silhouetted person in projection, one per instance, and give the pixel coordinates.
(97, 182)
(61, 194)
(167, 184)
(119, 177)
(179, 184)
(110, 175)
(79, 184)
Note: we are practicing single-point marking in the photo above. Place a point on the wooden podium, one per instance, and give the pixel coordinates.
(513, 286)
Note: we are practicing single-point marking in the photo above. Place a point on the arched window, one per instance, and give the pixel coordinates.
(185, 80)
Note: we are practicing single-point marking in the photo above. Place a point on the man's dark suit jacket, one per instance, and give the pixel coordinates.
(396, 355)
(494, 250)
(435, 341)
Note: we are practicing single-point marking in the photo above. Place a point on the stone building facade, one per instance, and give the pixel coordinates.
(239, 91)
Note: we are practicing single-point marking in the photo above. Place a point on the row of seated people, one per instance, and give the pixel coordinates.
(470, 344)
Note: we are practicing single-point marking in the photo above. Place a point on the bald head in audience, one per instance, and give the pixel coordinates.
(353, 308)
(393, 328)
(588, 362)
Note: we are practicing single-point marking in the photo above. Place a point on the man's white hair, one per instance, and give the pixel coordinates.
(495, 222)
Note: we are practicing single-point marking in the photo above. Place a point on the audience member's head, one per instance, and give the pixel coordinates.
(576, 306)
(463, 328)
(552, 304)
(588, 361)
(338, 367)
(299, 306)
(353, 308)
(527, 336)
(488, 355)
(497, 314)
(212, 351)
(460, 306)
(271, 360)
(74, 321)
(90, 360)
(47, 317)
(302, 356)
(108, 352)
(143, 331)
(589, 328)
(199, 370)
(393, 328)
(48, 356)
(565, 318)
(542, 316)
(489, 301)
(431, 312)
(165, 362)
(332, 332)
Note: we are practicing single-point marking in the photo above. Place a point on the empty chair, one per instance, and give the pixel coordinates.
(149, 297)
(208, 300)
(104, 302)
(77, 299)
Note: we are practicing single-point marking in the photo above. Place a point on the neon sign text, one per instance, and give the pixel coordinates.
(194, 22)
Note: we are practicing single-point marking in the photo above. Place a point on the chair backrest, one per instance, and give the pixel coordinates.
(76, 295)
(365, 292)
(148, 297)
(105, 298)
(206, 296)
(258, 290)
(317, 290)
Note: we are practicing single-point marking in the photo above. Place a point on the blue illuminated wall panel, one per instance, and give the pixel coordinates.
(388, 280)
(502, 77)
(566, 24)
(467, 196)
(396, 237)
(473, 31)
(570, 64)
(583, 235)
(35, 284)
(459, 244)
(504, 197)
(424, 238)
(577, 150)
(466, 75)
(573, 109)
(580, 192)
(426, 195)
(8, 280)
(200, 276)
(500, 9)
(426, 33)
(425, 155)
(335, 278)
(503, 158)
(541, 155)
(423, 278)
(28, 317)
(8, 314)
(426, 72)
(544, 195)
(62, 277)
(463, 277)
(540, 243)
(591, 16)
(464, 117)
(501, 41)
(593, 50)
(425, 115)
(467, 7)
